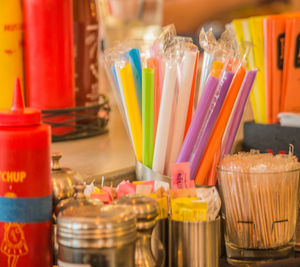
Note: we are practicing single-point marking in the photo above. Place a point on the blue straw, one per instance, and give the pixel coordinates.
(136, 66)
(113, 70)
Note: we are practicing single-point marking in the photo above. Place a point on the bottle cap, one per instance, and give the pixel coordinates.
(18, 115)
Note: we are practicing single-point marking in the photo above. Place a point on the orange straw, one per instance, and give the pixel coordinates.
(219, 128)
(191, 103)
(153, 64)
(212, 174)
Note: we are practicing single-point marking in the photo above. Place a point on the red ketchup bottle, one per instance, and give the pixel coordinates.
(49, 57)
(25, 187)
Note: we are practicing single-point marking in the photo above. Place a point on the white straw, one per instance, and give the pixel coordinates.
(164, 118)
(187, 72)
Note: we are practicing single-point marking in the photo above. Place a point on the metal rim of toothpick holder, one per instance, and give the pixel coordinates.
(80, 122)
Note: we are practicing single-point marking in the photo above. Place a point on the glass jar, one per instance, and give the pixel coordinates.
(260, 211)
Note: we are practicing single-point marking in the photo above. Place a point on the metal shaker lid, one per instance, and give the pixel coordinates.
(78, 200)
(145, 209)
(96, 227)
(63, 179)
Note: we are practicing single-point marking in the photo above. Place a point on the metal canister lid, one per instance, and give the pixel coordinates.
(145, 209)
(79, 199)
(96, 227)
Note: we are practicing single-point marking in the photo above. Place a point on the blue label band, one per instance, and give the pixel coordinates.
(25, 210)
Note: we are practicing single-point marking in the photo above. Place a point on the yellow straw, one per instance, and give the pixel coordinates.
(133, 110)
(256, 31)
(243, 36)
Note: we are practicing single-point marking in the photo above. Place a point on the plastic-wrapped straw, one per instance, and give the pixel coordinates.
(153, 63)
(237, 114)
(136, 66)
(232, 126)
(164, 119)
(192, 95)
(220, 125)
(117, 67)
(133, 109)
(199, 117)
(147, 115)
(208, 125)
(188, 62)
(113, 74)
(209, 43)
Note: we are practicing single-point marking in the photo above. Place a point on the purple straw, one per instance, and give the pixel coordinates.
(198, 119)
(207, 127)
(238, 111)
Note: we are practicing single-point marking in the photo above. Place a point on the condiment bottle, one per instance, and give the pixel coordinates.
(25, 187)
(96, 236)
(86, 52)
(146, 211)
(11, 49)
(49, 57)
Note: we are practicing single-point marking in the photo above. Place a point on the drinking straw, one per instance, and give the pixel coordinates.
(113, 70)
(147, 115)
(256, 31)
(132, 109)
(199, 116)
(209, 123)
(164, 118)
(212, 174)
(251, 65)
(242, 31)
(208, 59)
(153, 63)
(155, 53)
(220, 125)
(123, 102)
(136, 66)
(238, 112)
(191, 103)
(187, 72)
(210, 45)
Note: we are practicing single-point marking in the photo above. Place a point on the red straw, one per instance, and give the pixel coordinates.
(191, 103)
(154, 64)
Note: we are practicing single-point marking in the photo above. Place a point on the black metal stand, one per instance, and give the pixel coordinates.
(77, 123)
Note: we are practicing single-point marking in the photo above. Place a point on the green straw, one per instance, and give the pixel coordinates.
(147, 115)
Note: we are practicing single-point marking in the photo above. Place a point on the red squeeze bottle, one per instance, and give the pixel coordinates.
(49, 56)
(25, 187)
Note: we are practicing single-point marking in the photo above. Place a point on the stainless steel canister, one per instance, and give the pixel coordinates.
(96, 236)
(160, 232)
(143, 173)
(78, 200)
(146, 211)
(194, 244)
